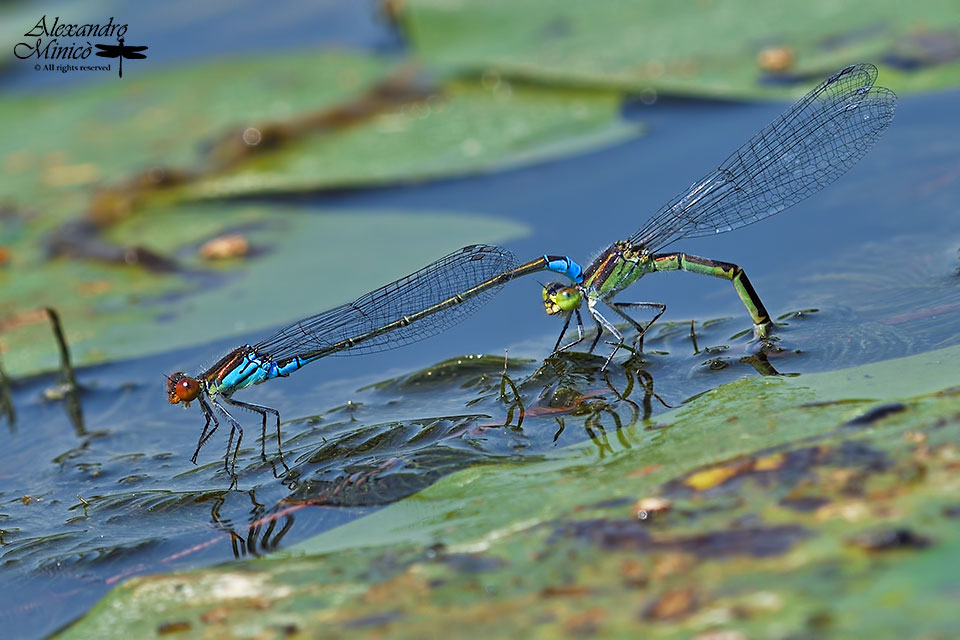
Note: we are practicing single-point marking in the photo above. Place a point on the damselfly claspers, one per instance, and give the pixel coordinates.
(809, 146)
(410, 309)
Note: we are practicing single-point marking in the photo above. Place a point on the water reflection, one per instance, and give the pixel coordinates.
(568, 370)
(352, 460)
(66, 390)
(262, 533)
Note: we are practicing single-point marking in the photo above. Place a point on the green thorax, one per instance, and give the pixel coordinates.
(616, 269)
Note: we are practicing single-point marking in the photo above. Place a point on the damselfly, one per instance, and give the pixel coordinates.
(413, 308)
(809, 146)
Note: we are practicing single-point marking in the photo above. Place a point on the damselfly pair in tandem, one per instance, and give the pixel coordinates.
(809, 146)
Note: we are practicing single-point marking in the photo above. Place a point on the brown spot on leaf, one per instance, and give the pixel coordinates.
(406, 586)
(93, 288)
(23, 319)
(668, 564)
(820, 620)
(564, 590)
(645, 471)
(233, 245)
(776, 59)
(173, 627)
(586, 622)
(217, 614)
(656, 427)
(634, 573)
(675, 604)
(844, 480)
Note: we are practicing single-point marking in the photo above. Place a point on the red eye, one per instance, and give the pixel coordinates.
(182, 388)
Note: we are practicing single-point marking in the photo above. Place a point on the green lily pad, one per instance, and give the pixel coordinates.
(771, 507)
(112, 312)
(707, 49)
(469, 128)
(102, 134)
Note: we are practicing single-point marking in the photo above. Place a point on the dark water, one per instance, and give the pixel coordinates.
(875, 254)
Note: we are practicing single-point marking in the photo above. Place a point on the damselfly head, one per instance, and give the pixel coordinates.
(559, 297)
(182, 388)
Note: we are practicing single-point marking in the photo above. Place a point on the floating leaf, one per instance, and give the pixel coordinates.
(718, 49)
(104, 133)
(465, 129)
(553, 547)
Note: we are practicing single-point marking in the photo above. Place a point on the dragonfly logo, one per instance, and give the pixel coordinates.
(120, 51)
(62, 46)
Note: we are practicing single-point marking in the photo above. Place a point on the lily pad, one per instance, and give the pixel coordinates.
(825, 474)
(709, 49)
(470, 127)
(101, 134)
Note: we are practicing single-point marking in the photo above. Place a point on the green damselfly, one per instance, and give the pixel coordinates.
(809, 146)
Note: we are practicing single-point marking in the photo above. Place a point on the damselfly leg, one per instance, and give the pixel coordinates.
(263, 411)
(205, 435)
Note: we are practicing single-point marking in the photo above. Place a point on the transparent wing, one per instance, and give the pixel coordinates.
(444, 279)
(809, 146)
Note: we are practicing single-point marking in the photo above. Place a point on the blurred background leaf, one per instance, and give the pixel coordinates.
(728, 49)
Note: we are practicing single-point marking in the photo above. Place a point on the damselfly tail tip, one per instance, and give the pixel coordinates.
(182, 388)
